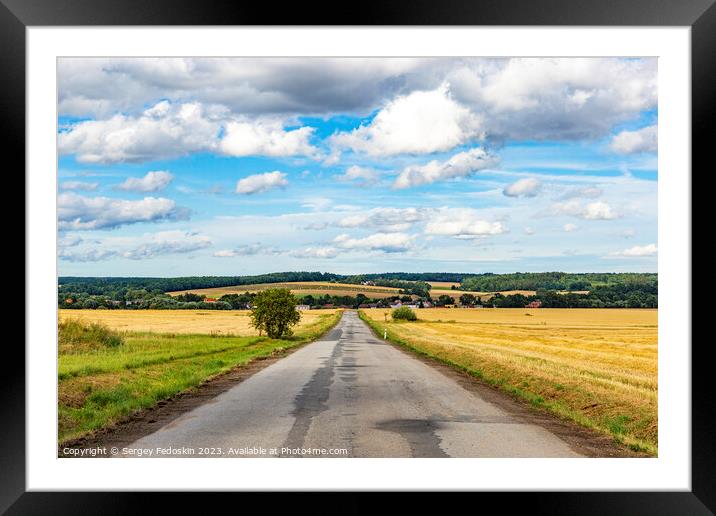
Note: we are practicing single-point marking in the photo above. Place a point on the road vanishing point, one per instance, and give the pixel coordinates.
(350, 394)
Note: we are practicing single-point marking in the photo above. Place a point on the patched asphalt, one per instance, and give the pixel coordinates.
(351, 395)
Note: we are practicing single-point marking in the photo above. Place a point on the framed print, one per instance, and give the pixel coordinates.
(435, 248)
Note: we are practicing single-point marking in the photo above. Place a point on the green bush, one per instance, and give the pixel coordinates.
(75, 335)
(404, 313)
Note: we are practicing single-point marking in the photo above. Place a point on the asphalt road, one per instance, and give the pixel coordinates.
(350, 395)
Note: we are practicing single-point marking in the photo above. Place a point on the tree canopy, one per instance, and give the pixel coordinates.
(274, 312)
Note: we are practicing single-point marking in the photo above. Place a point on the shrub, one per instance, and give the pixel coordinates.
(75, 335)
(404, 313)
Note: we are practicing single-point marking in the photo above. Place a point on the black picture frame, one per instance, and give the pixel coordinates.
(700, 15)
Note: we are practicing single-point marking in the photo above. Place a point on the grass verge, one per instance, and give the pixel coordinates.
(101, 383)
(582, 401)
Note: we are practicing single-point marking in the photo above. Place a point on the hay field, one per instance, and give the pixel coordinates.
(315, 288)
(597, 367)
(208, 322)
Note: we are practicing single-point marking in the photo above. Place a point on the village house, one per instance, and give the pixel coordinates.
(534, 304)
(303, 307)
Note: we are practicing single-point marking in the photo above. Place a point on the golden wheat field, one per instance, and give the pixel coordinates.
(315, 288)
(217, 322)
(597, 367)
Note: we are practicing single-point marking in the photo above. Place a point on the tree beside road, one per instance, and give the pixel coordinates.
(274, 312)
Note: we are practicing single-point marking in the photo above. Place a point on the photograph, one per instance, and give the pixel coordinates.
(351, 257)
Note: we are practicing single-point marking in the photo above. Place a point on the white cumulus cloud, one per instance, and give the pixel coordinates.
(462, 164)
(261, 182)
(170, 130)
(569, 227)
(632, 142)
(418, 123)
(77, 212)
(555, 98)
(597, 210)
(153, 181)
(463, 223)
(163, 131)
(265, 138)
(527, 187)
(385, 242)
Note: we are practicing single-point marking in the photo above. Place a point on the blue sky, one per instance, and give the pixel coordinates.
(216, 166)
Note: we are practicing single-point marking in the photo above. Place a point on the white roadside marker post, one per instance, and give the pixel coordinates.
(385, 333)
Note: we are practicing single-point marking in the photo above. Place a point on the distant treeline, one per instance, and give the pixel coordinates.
(608, 290)
(554, 281)
(107, 285)
(412, 283)
(608, 296)
(141, 299)
(452, 277)
(481, 282)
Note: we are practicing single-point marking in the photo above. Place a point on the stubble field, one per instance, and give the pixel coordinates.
(207, 322)
(597, 367)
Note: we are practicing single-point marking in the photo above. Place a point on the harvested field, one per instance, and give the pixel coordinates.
(207, 322)
(597, 367)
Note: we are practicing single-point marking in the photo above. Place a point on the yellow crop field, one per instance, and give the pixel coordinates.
(217, 322)
(315, 288)
(597, 367)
